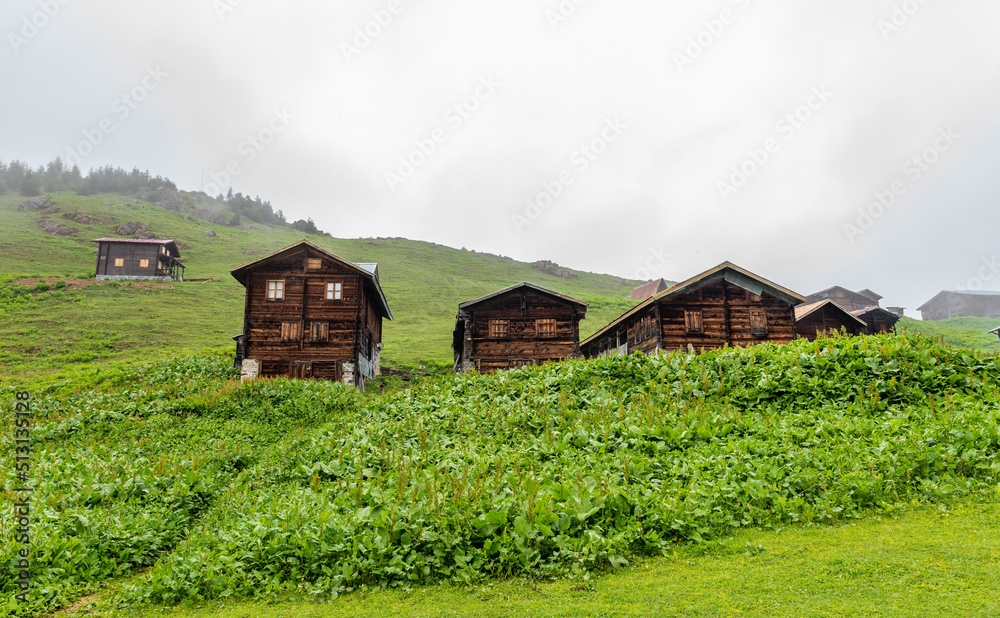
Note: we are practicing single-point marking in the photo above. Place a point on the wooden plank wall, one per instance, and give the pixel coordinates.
(132, 253)
(725, 311)
(304, 303)
(523, 342)
(824, 320)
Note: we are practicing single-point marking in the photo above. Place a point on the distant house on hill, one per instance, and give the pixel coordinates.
(814, 319)
(311, 314)
(996, 331)
(878, 320)
(647, 290)
(848, 300)
(723, 306)
(961, 304)
(522, 324)
(138, 259)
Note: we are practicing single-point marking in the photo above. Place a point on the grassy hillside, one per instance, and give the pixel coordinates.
(43, 331)
(231, 490)
(972, 333)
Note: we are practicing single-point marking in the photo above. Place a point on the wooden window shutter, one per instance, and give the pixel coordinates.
(314, 263)
(290, 331)
(693, 321)
(758, 322)
(545, 327)
(499, 329)
(320, 332)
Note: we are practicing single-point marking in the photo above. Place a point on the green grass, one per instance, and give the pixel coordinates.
(175, 484)
(931, 561)
(424, 284)
(972, 333)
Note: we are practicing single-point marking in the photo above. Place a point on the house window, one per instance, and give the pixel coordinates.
(119, 262)
(314, 263)
(333, 291)
(275, 290)
(693, 322)
(319, 332)
(290, 331)
(545, 328)
(143, 263)
(499, 329)
(758, 322)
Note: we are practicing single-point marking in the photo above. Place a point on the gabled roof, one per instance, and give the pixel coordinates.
(646, 290)
(155, 241)
(726, 271)
(524, 284)
(242, 273)
(996, 330)
(826, 293)
(146, 241)
(979, 293)
(805, 310)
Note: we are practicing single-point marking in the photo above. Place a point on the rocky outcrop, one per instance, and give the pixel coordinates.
(551, 268)
(41, 202)
(56, 229)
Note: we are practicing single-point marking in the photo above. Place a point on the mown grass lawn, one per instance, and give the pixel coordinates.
(931, 561)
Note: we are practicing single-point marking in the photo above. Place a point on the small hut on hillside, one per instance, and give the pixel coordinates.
(814, 319)
(723, 306)
(996, 331)
(848, 300)
(311, 314)
(877, 320)
(138, 259)
(961, 304)
(523, 324)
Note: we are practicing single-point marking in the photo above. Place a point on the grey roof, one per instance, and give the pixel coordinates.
(511, 288)
(981, 293)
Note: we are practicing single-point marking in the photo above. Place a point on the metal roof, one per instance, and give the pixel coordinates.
(982, 293)
(511, 288)
(727, 271)
(240, 272)
(646, 290)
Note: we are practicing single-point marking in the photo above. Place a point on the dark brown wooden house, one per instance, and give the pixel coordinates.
(814, 319)
(848, 300)
(723, 306)
(961, 304)
(877, 320)
(646, 290)
(519, 325)
(311, 314)
(139, 259)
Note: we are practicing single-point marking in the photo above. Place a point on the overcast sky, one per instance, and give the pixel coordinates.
(816, 143)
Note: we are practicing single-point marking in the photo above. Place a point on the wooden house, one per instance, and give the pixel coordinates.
(139, 259)
(814, 319)
(723, 306)
(311, 314)
(961, 304)
(519, 325)
(848, 300)
(646, 290)
(877, 320)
